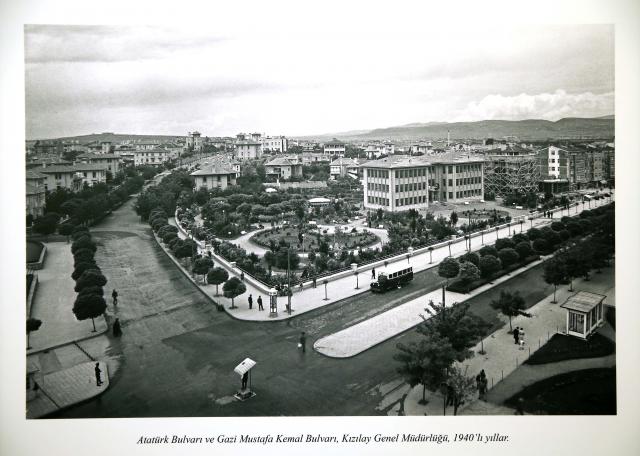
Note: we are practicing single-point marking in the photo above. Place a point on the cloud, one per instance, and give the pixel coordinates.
(548, 106)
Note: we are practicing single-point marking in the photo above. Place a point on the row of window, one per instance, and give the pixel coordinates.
(378, 187)
(411, 187)
(410, 201)
(378, 200)
(465, 168)
(466, 193)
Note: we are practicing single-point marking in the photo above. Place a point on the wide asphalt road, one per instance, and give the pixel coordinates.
(177, 353)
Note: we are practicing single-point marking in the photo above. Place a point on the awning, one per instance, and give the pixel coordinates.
(244, 367)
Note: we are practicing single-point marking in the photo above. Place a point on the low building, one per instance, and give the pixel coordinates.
(248, 150)
(309, 158)
(275, 145)
(218, 175)
(334, 147)
(111, 161)
(584, 313)
(146, 144)
(342, 167)
(153, 157)
(35, 193)
(283, 168)
(73, 177)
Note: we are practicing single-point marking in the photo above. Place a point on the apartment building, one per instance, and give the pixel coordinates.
(342, 167)
(275, 145)
(35, 193)
(218, 175)
(194, 141)
(111, 161)
(334, 147)
(248, 150)
(73, 177)
(154, 157)
(283, 168)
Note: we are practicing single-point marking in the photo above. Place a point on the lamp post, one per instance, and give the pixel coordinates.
(289, 280)
(497, 233)
(449, 245)
(354, 268)
(325, 282)
(409, 252)
(430, 254)
(521, 222)
(482, 237)
(273, 303)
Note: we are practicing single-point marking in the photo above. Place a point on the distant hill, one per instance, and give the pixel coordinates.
(530, 129)
(117, 137)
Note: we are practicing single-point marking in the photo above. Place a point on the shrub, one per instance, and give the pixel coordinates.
(524, 249)
(520, 237)
(489, 265)
(469, 272)
(541, 246)
(533, 234)
(471, 257)
(565, 235)
(488, 250)
(505, 243)
(508, 256)
(557, 226)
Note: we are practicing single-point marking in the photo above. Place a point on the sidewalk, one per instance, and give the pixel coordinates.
(53, 303)
(65, 388)
(503, 356)
(343, 285)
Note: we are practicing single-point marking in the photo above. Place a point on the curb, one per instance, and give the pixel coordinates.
(74, 341)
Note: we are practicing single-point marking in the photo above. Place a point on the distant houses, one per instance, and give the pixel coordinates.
(217, 175)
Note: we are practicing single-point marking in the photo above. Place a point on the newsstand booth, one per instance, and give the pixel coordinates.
(244, 371)
(584, 313)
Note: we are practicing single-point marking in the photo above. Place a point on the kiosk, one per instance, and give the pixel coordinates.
(244, 371)
(584, 313)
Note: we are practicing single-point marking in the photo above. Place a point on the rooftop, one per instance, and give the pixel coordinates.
(282, 161)
(344, 162)
(214, 169)
(30, 174)
(334, 142)
(405, 161)
(583, 301)
(78, 167)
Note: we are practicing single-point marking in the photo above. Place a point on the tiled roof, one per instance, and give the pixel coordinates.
(212, 170)
(334, 142)
(30, 174)
(78, 167)
(343, 162)
(282, 161)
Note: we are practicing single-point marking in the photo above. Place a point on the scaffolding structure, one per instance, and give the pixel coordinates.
(508, 174)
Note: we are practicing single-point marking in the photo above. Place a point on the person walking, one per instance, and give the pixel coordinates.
(242, 276)
(521, 335)
(114, 295)
(250, 300)
(302, 343)
(117, 330)
(373, 273)
(516, 336)
(482, 389)
(98, 372)
(245, 379)
(314, 281)
(260, 303)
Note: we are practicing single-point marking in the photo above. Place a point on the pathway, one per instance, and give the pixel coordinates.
(54, 300)
(503, 356)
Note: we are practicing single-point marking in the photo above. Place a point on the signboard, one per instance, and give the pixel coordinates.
(244, 367)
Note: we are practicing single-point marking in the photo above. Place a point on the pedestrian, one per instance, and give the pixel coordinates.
(242, 276)
(301, 286)
(373, 273)
(114, 295)
(245, 379)
(483, 384)
(250, 299)
(314, 282)
(302, 343)
(521, 335)
(260, 303)
(516, 335)
(98, 372)
(117, 330)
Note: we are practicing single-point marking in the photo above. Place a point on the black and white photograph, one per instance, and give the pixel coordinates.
(232, 222)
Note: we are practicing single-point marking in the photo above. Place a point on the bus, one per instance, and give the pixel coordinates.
(392, 277)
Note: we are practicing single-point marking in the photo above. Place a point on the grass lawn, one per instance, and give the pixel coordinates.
(561, 347)
(529, 284)
(34, 249)
(290, 236)
(583, 392)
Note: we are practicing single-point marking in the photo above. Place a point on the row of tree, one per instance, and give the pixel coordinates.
(90, 302)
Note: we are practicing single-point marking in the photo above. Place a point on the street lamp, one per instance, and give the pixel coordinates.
(497, 232)
(325, 282)
(449, 245)
(521, 222)
(430, 254)
(409, 252)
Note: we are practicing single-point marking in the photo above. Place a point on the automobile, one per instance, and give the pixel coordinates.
(482, 201)
(466, 203)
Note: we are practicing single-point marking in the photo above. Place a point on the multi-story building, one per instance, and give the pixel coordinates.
(309, 158)
(610, 164)
(401, 183)
(73, 177)
(376, 150)
(334, 147)
(154, 157)
(218, 175)
(275, 145)
(512, 170)
(35, 193)
(283, 168)
(111, 161)
(578, 166)
(248, 150)
(194, 141)
(342, 167)
(146, 144)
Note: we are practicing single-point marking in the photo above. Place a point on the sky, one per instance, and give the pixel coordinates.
(161, 80)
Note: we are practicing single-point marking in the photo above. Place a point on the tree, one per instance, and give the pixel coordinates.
(468, 272)
(83, 266)
(90, 278)
(202, 265)
(488, 250)
(524, 250)
(66, 229)
(471, 257)
(508, 256)
(541, 246)
(232, 288)
(425, 362)
(46, 224)
(448, 268)
(504, 243)
(555, 273)
(509, 304)
(83, 243)
(489, 265)
(533, 234)
(281, 258)
(217, 276)
(33, 324)
(453, 218)
(89, 306)
(463, 387)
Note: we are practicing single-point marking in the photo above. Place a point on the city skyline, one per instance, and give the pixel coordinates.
(166, 81)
